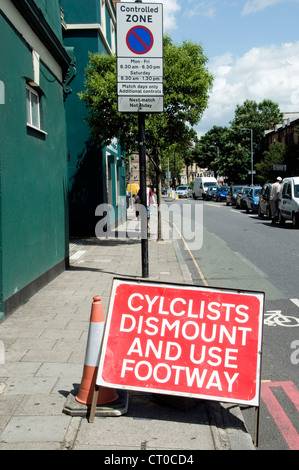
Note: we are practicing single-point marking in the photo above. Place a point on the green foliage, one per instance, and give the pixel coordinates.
(187, 83)
(233, 158)
(274, 156)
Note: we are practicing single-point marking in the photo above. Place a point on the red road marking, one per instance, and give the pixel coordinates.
(290, 435)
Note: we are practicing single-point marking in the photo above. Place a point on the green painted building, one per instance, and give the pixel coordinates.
(35, 67)
(95, 175)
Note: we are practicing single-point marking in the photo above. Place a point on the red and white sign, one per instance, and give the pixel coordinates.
(183, 340)
(140, 57)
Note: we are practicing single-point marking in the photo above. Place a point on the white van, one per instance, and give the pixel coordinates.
(288, 207)
(201, 186)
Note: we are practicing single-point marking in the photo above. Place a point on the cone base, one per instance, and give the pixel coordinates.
(117, 408)
(106, 396)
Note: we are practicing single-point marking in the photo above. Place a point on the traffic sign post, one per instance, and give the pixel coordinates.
(140, 80)
(140, 57)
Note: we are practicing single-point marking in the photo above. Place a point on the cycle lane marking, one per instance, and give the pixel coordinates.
(275, 318)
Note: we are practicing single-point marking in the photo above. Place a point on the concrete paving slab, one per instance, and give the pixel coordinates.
(29, 385)
(128, 433)
(45, 342)
(41, 405)
(22, 429)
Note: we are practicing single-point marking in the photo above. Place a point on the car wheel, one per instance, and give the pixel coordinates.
(281, 220)
(295, 220)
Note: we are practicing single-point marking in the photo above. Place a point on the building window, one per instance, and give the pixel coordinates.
(32, 104)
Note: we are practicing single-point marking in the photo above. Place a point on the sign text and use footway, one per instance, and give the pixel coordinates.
(183, 340)
(139, 57)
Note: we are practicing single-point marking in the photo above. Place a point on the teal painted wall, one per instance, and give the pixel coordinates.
(86, 11)
(87, 163)
(108, 27)
(34, 211)
(51, 12)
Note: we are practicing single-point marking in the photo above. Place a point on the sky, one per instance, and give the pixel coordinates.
(252, 48)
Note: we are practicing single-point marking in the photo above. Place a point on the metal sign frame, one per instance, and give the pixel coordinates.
(140, 57)
(241, 356)
(181, 290)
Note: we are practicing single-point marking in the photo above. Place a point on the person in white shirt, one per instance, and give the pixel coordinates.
(149, 196)
(275, 195)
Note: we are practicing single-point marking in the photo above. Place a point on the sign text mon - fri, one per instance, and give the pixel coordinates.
(140, 57)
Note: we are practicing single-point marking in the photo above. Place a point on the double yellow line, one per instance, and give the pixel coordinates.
(205, 282)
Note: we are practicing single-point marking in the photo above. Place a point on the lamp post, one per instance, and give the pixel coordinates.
(251, 149)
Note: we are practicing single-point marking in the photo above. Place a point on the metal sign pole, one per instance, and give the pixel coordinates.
(140, 81)
(143, 194)
(257, 426)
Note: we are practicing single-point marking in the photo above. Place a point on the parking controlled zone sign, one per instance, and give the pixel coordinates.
(183, 340)
(140, 57)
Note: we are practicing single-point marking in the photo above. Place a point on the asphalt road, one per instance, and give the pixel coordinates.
(241, 251)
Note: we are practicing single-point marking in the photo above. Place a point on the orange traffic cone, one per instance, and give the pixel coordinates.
(88, 382)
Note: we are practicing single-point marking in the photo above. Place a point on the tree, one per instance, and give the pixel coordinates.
(187, 83)
(209, 151)
(233, 159)
(258, 117)
(274, 156)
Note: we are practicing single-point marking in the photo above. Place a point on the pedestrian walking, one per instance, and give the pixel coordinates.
(149, 196)
(136, 204)
(275, 196)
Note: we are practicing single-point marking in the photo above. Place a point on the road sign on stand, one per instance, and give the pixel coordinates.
(140, 57)
(183, 340)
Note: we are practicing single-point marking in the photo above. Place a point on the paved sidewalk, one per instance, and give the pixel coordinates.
(45, 343)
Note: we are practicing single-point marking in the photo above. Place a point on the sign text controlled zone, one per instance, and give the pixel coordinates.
(183, 340)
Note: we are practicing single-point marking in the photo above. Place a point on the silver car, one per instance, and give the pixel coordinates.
(182, 191)
(288, 208)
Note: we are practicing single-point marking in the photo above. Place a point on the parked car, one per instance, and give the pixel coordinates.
(252, 199)
(264, 202)
(182, 191)
(241, 197)
(231, 195)
(211, 193)
(163, 190)
(288, 206)
(221, 193)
